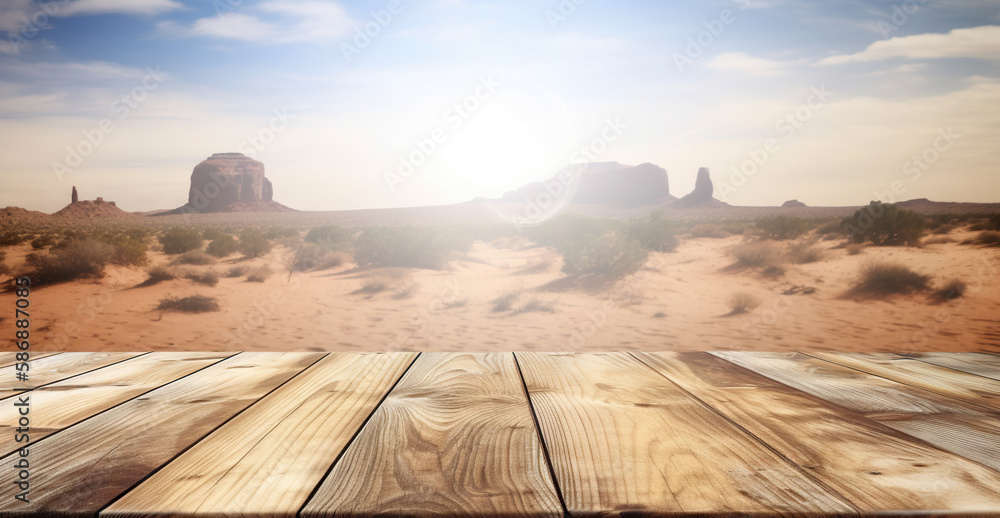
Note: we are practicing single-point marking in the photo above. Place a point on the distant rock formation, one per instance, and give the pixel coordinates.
(229, 182)
(609, 183)
(267, 193)
(96, 209)
(702, 193)
(791, 204)
(75, 197)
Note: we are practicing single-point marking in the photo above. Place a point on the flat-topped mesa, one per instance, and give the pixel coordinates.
(227, 178)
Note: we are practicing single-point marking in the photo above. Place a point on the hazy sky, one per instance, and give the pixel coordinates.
(834, 99)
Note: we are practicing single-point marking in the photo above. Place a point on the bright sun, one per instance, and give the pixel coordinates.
(499, 149)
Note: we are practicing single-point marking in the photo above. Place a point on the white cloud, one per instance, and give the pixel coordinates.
(82, 7)
(287, 21)
(741, 62)
(976, 42)
(13, 13)
(236, 26)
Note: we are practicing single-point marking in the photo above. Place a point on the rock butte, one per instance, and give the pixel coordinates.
(226, 178)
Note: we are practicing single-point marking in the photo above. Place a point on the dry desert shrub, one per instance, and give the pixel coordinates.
(854, 248)
(254, 243)
(804, 253)
(208, 277)
(4, 269)
(743, 302)
(889, 278)
(158, 274)
(783, 227)
(193, 257)
(535, 306)
(505, 302)
(78, 259)
(938, 240)
(192, 304)
(260, 274)
(178, 240)
(238, 271)
(758, 254)
(708, 230)
(985, 238)
(222, 246)
(313, 257)
(952, 289)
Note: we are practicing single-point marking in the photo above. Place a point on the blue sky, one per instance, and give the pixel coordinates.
(140, 91)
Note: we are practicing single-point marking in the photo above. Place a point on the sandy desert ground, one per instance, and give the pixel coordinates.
(678, 301)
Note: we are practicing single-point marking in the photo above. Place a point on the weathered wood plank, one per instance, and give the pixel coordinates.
(62, 404)
(877, 468)
(972, 389)
(81, 469)
(10, 358)
(57, 367)
(267, 460)
(455, 437)
(623, 439)
(947, 423)
(985, 365)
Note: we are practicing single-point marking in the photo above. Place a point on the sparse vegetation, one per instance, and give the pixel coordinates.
(238, 271)
(804, 252)
(192, 304)
(207, 277)
(952, 289)
(609, 255)
(260, 274)
(43, 241)
(505, 302)
(253, 243)
(883, 224)
(78, 259)
(179, 240)
(158, 274)
(783, 227)
(708, 230)
(654, 233)
(222, 246)
(330, 237)
(854, 248)
(406, 291)
(13, 238)
(889, 278)
(128, 251)
(194, 257)
(985, 238)
(535, 306)
(758, 254)
(4, 269)
(409, 247)
(743, 302)
(278, 233)
(311, 256)
(938, 240)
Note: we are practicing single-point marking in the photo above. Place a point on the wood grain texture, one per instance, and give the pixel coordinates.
(947, 423)
(975, 390)
(57, 367)
(267, 460)
(62, 404)
(623, 440)
(10, 358)
(985, 365)
(82, 468)
(454, 438)
(877, 468)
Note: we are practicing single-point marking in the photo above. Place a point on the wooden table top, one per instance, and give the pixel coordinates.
(171, 434)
